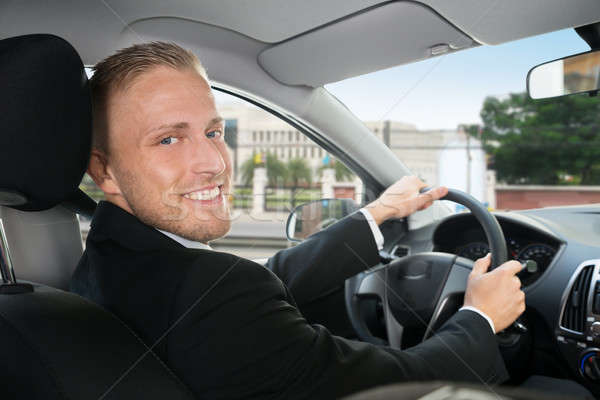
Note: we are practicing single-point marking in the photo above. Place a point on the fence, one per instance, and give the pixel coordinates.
(287, 198)
(242, 197)
(277, 198)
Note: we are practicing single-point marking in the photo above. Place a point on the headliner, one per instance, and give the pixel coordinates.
(98, 27)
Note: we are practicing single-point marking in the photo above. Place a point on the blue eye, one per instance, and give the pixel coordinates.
(169, 140)
(213, 134)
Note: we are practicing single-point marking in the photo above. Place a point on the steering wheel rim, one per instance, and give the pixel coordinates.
(374, 282)
(489, 223)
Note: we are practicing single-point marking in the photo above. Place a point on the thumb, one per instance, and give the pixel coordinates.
(481, 265)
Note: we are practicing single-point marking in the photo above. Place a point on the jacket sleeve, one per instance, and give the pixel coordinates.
(246, 339)
(321, 263)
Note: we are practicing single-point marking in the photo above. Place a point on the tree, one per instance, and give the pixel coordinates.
(298, 171)
(247, 170)
(552, 141)
(276, 170)
(342, 172)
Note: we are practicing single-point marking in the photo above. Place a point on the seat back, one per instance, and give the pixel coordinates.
(57, 345)
(45, 246)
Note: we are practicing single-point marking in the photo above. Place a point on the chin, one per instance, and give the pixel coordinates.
(220, 230)
(207, 226)
(206, 234)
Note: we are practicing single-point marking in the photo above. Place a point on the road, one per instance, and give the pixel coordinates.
(254, 237)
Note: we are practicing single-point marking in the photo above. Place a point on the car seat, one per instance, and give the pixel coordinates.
(55, 344)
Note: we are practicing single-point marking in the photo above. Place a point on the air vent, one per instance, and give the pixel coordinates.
(575, 313)
(400, 251)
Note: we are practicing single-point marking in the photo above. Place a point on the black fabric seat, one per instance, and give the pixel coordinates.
(57, 345)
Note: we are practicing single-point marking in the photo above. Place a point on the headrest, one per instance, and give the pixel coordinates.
(45, 121)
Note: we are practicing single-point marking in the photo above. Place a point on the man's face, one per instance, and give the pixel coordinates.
(168, 155)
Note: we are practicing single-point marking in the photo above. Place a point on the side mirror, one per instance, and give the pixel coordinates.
(569, 75)
(309, 218)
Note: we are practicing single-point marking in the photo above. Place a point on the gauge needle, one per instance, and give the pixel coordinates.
(531, 266)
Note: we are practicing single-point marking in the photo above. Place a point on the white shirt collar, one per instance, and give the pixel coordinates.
(190, 244)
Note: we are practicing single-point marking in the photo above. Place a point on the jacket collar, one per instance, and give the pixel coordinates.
(190, 244)
(111, 222)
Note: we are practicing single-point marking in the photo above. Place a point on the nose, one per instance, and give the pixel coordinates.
(207, 157)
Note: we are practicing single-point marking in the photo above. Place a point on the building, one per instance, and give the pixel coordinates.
(258, 131)
(439, 157)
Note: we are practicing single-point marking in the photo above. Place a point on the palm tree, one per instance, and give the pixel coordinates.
(247, 170)
(298, 171)
(276, 169)
(342, 173)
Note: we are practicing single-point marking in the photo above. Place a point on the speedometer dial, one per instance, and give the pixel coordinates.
(541, 254)
(474, 251)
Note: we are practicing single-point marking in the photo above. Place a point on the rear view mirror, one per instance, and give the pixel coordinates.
(315, 216)
(569, 75)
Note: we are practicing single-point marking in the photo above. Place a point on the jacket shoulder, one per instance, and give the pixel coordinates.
(223, 273)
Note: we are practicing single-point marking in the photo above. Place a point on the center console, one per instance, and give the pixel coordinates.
(578, 331)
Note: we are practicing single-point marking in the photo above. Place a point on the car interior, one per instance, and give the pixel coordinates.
(278, 56)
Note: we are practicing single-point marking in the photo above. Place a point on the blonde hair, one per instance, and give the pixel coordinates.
(119, 70)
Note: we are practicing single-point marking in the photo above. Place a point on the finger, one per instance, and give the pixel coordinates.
(481, 265)
(427, 198)
(512, 267)
(420, 184)
(423, 201)
(517, 281)
(436, 193)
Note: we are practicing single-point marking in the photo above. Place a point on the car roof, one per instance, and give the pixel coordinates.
(280, 53)
(309, 42)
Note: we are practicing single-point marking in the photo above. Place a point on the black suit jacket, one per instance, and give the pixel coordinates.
(230, 328)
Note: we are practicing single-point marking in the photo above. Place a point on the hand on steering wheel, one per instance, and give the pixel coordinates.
(425, 289)
(482, 288)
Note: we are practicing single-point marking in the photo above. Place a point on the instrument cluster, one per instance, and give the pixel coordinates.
(465, 238)
(536, 255)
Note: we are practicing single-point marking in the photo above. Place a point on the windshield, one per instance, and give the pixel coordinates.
(464, 120)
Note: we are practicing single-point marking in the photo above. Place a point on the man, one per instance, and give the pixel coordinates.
(231, 328)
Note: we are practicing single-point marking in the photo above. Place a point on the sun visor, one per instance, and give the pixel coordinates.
(381, 37)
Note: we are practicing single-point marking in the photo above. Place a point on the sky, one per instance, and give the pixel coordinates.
(446, 91)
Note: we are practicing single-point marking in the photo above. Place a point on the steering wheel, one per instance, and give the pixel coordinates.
(420, 292)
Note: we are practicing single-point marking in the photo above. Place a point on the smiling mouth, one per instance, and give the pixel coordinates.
(209, 195)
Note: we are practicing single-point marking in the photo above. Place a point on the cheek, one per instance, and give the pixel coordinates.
(225, 154)
(161, 171)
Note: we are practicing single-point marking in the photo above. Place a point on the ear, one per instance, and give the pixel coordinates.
(100, 171)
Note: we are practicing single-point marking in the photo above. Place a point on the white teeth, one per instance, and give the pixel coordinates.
(204, 194)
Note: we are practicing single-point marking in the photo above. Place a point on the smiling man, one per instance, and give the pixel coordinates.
(231, 328)
(169, 163)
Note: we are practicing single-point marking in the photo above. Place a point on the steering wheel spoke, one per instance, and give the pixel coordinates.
(421, 291)
(373, 284)
(451, 296)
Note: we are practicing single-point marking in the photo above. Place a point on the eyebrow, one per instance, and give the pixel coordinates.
(184, 125)
(215, 121)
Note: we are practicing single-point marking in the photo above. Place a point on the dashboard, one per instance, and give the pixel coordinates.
(562, 287)
(561, 247)
(463, 236)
